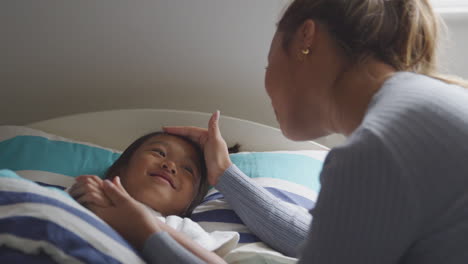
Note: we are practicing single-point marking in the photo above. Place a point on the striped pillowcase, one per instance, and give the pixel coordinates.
(291, 176)
(45, 225)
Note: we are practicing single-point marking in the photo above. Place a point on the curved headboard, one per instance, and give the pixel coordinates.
(118, 128)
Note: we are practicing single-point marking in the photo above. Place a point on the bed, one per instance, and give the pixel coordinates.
(41, 159)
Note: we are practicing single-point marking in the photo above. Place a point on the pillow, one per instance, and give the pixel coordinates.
(51, 160)
(292, 176)
(39, 224)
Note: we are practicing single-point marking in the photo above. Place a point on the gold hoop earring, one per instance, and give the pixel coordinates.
(305, 51)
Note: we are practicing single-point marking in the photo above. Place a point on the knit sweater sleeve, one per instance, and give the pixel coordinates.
(367, 209)
(160, 247)
(281, 225)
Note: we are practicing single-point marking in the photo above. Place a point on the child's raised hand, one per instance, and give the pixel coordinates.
(213, 145)
(126, 215)
(88, 189)
(136, 224)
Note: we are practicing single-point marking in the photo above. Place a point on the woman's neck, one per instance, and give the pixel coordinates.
(353, 92)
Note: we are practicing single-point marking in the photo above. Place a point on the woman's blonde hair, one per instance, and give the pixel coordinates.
(402, 33)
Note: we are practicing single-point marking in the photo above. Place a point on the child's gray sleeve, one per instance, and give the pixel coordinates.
(160, 247)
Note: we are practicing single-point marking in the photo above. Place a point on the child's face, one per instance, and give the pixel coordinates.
(163, 173)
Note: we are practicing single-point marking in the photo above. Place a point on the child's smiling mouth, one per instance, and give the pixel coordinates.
(164, 176)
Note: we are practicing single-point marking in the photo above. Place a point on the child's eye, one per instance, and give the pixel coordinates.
(189, 169)
(160, 152)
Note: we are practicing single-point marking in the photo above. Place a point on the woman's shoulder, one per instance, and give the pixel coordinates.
(419, 94)
(419, 122)
(410, 106)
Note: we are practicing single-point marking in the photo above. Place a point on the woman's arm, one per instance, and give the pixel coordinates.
(279, 224)
(169, 251)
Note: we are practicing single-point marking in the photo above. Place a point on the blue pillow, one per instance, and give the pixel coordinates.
(300, 167)
(50, 159)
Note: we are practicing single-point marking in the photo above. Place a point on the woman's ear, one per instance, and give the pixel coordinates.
(306, 34)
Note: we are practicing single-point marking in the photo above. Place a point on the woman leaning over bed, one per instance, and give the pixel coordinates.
(397, 190)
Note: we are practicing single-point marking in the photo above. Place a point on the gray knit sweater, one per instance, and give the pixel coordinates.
(395, 192)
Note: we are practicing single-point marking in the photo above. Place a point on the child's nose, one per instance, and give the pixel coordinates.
(169, 166)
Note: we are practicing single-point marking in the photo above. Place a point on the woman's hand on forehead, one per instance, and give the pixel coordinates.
(211, 141)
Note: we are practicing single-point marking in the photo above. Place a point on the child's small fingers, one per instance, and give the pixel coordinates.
(81, 177)
(90, 183)
(84, 176)
(84, 199)
(96, 179)
(115, 193)
(94, 198)
(76, 190)
(89, 179)
(69, 190)
(118, 183)
(81, 189)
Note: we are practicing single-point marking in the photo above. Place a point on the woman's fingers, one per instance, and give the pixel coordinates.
(213, 125)
(197, 134)
(194, 133)
(214, 146)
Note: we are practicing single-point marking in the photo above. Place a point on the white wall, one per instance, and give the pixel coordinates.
(178, 54)
(454, 48)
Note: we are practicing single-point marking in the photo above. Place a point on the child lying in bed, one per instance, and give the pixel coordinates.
(167, 174)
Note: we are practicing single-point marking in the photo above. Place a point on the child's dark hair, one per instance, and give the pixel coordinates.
(125, 157)
(234, 149)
